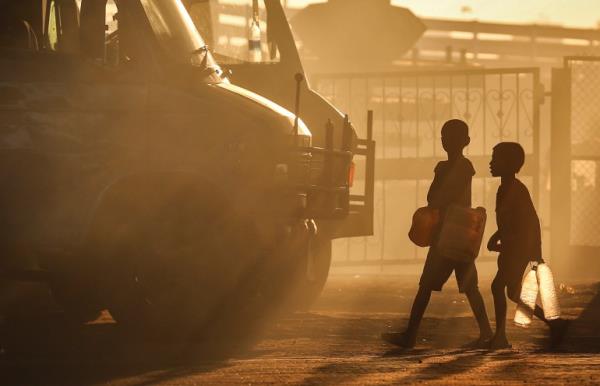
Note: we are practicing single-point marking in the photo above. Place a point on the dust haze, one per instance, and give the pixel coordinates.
(221, 191)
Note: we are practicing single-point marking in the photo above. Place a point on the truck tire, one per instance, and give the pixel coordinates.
(77, 300)
(307, 289)
(290, 286)
(72, 284)
(169, 267)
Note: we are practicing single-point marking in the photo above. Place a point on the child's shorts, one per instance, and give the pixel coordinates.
(437, 271)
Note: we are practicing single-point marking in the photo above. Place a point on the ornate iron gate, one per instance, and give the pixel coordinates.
(409, 109)
(576, 161)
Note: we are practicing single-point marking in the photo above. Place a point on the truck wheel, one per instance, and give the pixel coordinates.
(168, 268)
(312, 276)
(297, 283)
(77, 300)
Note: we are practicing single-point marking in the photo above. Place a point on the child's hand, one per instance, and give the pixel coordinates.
(497, 247)
(493, 244)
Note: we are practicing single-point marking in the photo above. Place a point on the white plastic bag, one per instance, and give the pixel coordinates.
(538, 281)
(529, 293)
(548, 292)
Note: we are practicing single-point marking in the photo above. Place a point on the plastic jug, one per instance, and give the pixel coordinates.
(461, 233)
(254, 44)
(424, 222)
(529, 294)
(548, 294)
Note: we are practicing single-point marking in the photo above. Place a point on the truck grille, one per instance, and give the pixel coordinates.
(323, 176)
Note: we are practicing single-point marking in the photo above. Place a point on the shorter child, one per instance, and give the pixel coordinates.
(518, 240)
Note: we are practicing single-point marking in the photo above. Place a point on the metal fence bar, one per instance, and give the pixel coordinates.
(518, 119)
(536, 137)
(416, 73)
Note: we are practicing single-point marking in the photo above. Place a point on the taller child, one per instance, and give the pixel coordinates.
(451, 186)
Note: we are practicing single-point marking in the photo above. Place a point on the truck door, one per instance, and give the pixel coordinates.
(113, 82)
(37, 125)
(69, 121)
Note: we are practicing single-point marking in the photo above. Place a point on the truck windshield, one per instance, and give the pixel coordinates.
(178, 36)
(236, 30)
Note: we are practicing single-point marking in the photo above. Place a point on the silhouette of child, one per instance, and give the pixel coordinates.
(451, 186)
(518, 239)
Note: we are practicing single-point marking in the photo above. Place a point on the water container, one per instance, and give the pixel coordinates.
(254, 45)
(548, 292)
(529, 294)
(424, 222)
(461, 233)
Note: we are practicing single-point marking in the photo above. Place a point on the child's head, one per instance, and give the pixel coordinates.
(507, 159)
(455, 135)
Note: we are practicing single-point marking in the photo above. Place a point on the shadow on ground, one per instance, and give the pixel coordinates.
(48, 349)
(334, 343)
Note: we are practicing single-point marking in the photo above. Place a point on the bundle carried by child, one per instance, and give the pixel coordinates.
(537, 283)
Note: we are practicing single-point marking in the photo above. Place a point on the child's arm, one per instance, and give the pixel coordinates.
(433, 193)
(493, 244)
(535, 235)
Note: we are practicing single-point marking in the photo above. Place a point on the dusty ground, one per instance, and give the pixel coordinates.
(335, 343)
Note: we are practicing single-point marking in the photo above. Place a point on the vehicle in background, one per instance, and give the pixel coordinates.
(136, 179)
(254, 45)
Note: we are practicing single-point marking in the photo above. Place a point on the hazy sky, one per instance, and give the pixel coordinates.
(574, 13)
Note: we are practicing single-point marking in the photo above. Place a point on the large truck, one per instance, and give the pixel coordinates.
(138, 179)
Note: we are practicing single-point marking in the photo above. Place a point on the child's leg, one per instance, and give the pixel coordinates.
(466, 276)
(498, 288)
(478, 307)
(408, 338)
(418, 310)
(435, 273)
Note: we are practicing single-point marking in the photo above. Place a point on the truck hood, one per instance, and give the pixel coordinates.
(268, 105)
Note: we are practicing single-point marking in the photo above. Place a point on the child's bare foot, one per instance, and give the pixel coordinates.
(482, 342)
(477, 344)
(401, 339)
(499, 343)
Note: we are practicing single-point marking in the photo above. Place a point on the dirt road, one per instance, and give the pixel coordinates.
(337, 342)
